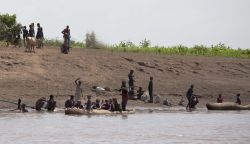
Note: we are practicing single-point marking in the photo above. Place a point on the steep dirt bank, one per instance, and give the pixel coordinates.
(33, 75)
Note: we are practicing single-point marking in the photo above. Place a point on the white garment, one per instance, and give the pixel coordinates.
(78, 93)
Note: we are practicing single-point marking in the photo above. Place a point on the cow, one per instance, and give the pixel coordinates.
(31, 43)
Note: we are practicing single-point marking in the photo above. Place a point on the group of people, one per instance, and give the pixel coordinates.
(39, 37)
(131, 88)
(220, 99)
(31, 33)
(49, 104)
(112, 104)
(108, 104)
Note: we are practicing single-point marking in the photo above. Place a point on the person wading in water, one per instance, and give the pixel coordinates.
(124, 91)
(51, 103)
(238, 101)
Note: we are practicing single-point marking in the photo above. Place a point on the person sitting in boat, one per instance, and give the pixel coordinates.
(219, 99)
(51, 103)
(238, 101)
(89, 103)
(116, 105)
(93, 105)
(140, 92)
(106, 105)
(111, 105)
(97, 104)
(23, 108)
(79, 105)
(70, 102)
(41, 103)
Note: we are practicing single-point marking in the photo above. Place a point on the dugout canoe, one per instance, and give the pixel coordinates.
(227, 106)
(76, 111)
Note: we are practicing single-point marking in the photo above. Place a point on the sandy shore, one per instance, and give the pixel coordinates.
(34, 75)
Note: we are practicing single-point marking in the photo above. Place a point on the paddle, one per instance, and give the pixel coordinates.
(15, 103)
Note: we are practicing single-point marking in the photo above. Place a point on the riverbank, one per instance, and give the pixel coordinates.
(34, 75)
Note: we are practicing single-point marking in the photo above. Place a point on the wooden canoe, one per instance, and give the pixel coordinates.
(76, 111)
(226, 106)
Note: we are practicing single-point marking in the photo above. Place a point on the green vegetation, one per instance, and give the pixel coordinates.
(10, 30)
(198, 50)
(144, 47)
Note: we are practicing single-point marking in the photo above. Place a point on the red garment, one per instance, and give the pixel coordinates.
(124, 95)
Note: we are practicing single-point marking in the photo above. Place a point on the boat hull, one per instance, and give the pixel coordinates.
(226, 106)
(76, 111)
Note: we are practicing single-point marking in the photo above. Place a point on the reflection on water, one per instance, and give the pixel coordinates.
(142, 128)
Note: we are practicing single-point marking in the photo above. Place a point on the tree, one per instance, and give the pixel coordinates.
(8, 20)
(9, 28)
(145, 43)
(91, 40)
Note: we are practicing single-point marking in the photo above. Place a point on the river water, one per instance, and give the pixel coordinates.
(144, 127)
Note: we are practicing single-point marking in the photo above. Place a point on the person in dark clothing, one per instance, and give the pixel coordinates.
(106, 105)
(39, 36)
(31, 31)
(89, 103)
(189, 96)
(124, 93)
(150, 90)
(19, 104)
(66, 36)
(79, 105)
(238, 101)
(139, 93)
(219, 99)
(117, 107)
(194, 102)
(131, 94)
(40, 103)
(97, 104)
(131, 79)
(51, 103)
(70, 102)
(23, 108)
(111, 104)
(25, 35)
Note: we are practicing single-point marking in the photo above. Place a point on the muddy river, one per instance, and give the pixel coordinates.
(144, 127)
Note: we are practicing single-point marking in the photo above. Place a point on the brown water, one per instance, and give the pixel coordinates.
(142, 128)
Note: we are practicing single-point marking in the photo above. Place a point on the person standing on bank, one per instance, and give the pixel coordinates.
(189, 96)
(66, 36)
(78, 92)
(39, 36)
(25, 35)
(150, 89)
(31, 31)
(131, 79)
